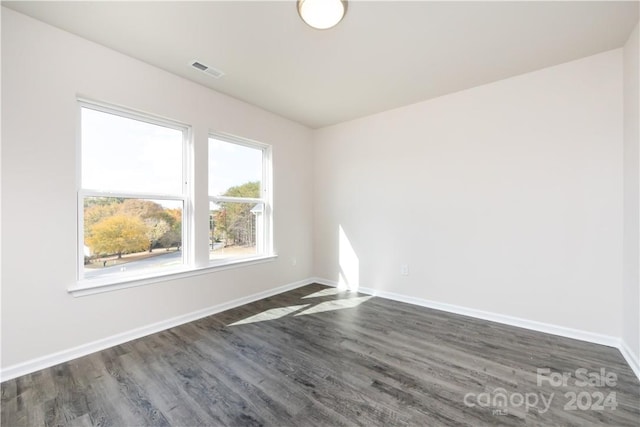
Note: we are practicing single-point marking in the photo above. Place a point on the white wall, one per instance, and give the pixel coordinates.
(43, 71)
(631, 287)
(505, 198)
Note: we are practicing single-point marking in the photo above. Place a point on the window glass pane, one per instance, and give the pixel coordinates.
(235, 229)
(234, 170)
(131, 235)
(122, 154)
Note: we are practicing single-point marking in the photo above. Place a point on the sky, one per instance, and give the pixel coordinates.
(121, 154)
(231, 165)
(125, 155)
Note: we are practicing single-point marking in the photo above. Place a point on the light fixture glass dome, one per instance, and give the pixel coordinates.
(322, 14)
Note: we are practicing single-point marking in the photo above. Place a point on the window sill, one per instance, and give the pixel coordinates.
(108, 284)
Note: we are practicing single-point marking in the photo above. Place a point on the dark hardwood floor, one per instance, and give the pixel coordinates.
(318, 357)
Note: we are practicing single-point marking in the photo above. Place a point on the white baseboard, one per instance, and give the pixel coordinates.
(326, 282)
(548, 328)
(37, 364)
(632, 360)
(501, 318)
(73, 353)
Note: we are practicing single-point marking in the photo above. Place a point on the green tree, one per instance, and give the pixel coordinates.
(98, 208)
(249, 189)
(142, 209)
(163, 225)
(173, 237)
(156, 228)
(101, 201)
(118, 234)
(234, 223)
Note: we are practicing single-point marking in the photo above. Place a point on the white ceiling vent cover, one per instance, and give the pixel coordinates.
(213, 72)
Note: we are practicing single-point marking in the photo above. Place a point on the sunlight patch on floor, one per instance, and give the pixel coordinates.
(334, 305)
(271, 314)
(325, 293)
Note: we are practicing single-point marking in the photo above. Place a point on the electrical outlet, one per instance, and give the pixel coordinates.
(294, 261)
(404, 269)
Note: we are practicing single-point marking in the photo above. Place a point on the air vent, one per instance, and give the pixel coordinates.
(213, 72)
(199, 66)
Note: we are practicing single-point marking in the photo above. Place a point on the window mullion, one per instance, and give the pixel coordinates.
(221, 199)
(126, 195)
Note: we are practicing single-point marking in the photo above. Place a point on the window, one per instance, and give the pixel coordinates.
(136, 192)
(239, 199)
(133, 195)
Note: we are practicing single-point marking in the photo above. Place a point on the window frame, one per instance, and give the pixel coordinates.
(265, 249)
(186, 197)
(194, 262)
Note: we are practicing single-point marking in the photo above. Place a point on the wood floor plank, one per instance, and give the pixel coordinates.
(317, 356)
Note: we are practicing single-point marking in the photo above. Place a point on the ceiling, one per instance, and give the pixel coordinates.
(383, 55)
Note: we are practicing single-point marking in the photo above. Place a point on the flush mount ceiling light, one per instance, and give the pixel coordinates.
(322, 14)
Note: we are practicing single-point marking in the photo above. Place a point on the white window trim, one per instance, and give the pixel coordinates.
(266, 251)
(115, 281)
(103, 285)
